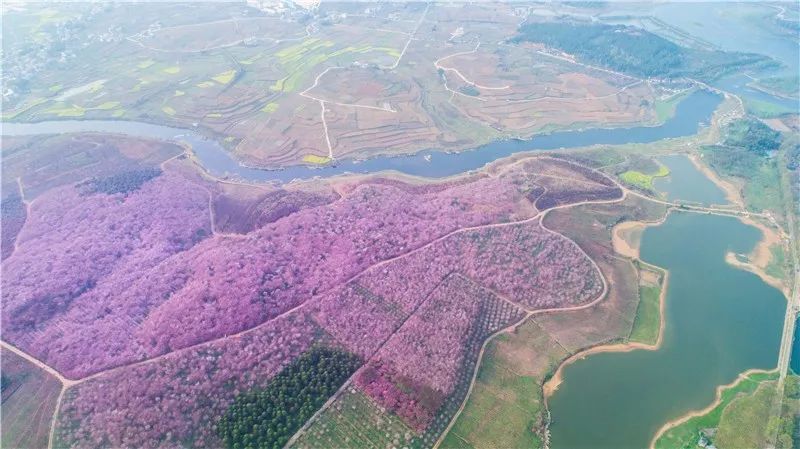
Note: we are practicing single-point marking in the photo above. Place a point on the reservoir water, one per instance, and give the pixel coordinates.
(720, 322)
(692, 113)
(685, 182)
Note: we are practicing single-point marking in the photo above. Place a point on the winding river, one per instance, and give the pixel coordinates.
(690, 115)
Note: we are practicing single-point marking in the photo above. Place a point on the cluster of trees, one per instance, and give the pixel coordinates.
(268, 417)
(123, 182)
(357, 318)
(181, 396)
(131, 279)
(530, 265)
(422, 374)
(752, 135)
(12, 217)
(632, 50)
(550, 182)
(428, 348)
(77, 253)
(233, 214)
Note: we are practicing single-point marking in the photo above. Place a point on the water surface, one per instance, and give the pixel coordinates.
(720, 322)
(686, 183)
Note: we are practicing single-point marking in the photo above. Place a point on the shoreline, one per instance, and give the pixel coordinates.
(550, 386)
(730, 259)
(697, 413)
(732, 193)
(761, 254)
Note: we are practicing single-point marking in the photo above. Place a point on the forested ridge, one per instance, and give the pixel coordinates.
(633, 50)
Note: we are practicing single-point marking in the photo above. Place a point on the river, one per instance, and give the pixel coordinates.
(692, 113)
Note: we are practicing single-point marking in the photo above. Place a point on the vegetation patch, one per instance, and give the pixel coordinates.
(469, 90)
(355, 422)
(268, 418)
(225, 77)
(665, 108)
(269, 108)
(145, 64)
(508, 385)
(314, 159)
(63, 110)
(124, 182)
(777, 262)
(647, 323)
(643, 180)
(686, 435)
(172, 70)
(783, 85)
(744, 423)
(633, 50)
(753, 135)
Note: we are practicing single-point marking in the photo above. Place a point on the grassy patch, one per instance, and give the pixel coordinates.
(7, 115)
(172, 70)
(744, 422)
(686, 434)
(665, 108)
(225, 77)
(314, 159)
(764, 109)
(205, 84)
(145, 64)
(647, 323)
(269, 108)
(179, 93)
(62, 110)
(106, 106)
(168, 110)
(760, 175)
(505, 408)
(643, 180)
(777, 263)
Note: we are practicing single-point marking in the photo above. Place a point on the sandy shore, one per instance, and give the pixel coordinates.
(626, 238)
(761, 255)
(551, 385)
(732, 193)
(731, 259)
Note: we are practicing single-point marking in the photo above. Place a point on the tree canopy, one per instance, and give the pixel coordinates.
(268, 418)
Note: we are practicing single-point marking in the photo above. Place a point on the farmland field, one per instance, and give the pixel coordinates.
(29, 402)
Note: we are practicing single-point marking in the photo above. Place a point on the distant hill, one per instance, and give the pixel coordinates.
(634, 51)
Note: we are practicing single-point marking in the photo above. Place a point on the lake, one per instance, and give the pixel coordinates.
(685, 182)
(720, 322)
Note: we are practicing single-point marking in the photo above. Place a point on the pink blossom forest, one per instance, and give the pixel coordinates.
(162, 296)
